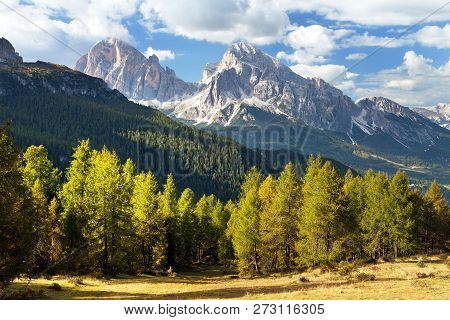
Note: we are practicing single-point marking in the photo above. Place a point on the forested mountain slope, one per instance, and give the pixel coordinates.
(57, 107)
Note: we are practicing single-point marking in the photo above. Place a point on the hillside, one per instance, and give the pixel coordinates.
(57, 107)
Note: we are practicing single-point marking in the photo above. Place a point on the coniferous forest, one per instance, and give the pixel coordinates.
(101, 216)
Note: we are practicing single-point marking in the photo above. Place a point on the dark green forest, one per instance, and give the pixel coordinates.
(102, 215)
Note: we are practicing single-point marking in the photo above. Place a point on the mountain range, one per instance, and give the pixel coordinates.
(55, 106)
(439, 114)
(248, 87)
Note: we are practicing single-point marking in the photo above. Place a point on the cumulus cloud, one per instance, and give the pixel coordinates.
(78, 24)
(337, 75)
(311, 43)
(372, 12)
(161, 54)
(259, 22)
(416, 82)
(434, 36)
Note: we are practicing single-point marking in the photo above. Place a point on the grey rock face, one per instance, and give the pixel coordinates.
(126, 69)
(8, 54)
(401, 123)
(439, 114)
(247, 76)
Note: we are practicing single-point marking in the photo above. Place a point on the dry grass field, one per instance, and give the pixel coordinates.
(421, 277)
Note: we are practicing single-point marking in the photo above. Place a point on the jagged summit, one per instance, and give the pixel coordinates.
(126, 69)
(8, 54)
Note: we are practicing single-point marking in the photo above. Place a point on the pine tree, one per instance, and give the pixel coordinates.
(246, 224)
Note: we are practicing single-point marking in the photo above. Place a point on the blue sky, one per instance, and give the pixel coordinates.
(316, 38)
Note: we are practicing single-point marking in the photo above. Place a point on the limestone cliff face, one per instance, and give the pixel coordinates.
(126, 69)
(8, 54)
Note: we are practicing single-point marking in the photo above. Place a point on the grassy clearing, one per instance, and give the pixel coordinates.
(384, 280)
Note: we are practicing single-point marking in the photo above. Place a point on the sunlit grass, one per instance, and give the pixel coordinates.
(393, 280)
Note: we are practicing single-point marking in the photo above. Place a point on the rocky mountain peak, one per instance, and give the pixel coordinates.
(126, 69)
(8, 54)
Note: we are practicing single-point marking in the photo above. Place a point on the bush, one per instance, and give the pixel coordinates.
(303, 279)
(55, 286)
(421, 264)
(346, 269)
(365, 276)
(171, 273)
(78, 281)
(327, 268)
(421, 275)
(21, 294)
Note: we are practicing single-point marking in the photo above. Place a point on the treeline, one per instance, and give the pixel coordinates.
(105, 217)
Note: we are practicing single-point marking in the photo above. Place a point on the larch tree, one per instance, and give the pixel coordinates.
(376, 220)
(439, 215)
(105, 211)
(16, 217)
(321, 213)
(403, 223)
(286, 207)
(74, 212)
(246, 224)
(168, 209)
(149, 224)
(271, 229)
(188, 225)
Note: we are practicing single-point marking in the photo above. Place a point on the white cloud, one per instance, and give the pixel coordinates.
(259, 22)
(161, 54)
(311, 43)
(416, 82)
(366, 40)
(356, 56)
(336, 75)
(78, 24)
(434, 36)
(372, 12)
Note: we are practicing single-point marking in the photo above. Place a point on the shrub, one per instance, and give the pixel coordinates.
(365, 276)
(55, 286)
(22, 294)
(422, 275)
(421, 264)
(78, 281)
(346, 269)
(303, 279)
